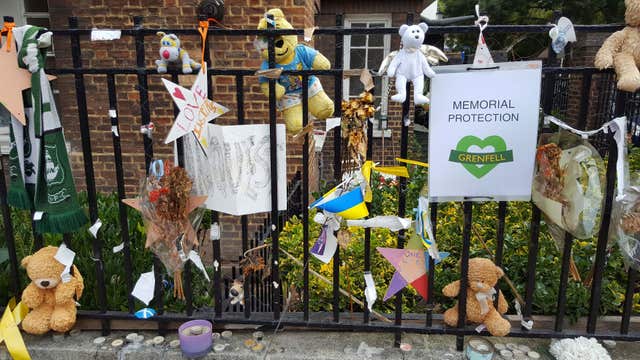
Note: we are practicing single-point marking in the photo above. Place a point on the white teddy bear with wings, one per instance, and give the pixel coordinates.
(410, 64)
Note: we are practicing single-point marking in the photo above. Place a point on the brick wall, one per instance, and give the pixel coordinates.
(226, 52)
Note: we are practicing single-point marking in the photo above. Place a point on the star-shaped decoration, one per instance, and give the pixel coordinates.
(18, 78)
(196, 110)
(411, 269)
(154, 232)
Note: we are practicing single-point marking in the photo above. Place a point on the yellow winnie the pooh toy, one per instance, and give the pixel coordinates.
(293, 56)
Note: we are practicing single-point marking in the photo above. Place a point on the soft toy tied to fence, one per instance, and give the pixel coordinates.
(171, 52)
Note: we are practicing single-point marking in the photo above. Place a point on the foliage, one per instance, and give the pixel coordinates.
(449, 238)
(113, 264)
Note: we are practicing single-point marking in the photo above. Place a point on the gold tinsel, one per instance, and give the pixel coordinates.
(355, 114)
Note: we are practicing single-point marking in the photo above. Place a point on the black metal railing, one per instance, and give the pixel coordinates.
(268, 308)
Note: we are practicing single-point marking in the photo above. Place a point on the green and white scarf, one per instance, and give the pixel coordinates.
(41, 177)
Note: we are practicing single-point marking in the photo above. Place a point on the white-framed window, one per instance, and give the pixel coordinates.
(367, 51)
(35, 12)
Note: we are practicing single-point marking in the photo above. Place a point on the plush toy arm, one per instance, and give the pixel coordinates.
(279, 89)
(65, 291)
(426, 68)
(503, 306)
(320, 62)
(611, 46)
(32, 296)
(393, 66)
(452, 290)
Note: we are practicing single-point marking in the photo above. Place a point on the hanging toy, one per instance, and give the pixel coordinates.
(483, 56)
(171, 52)
(562, 34)
(293, 56)
(410, 64)
(212, 10)
(620, 50)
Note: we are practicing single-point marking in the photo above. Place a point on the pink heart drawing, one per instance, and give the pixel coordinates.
(178, 94)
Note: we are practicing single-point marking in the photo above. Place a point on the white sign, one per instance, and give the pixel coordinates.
(236, 173)
(482, 132)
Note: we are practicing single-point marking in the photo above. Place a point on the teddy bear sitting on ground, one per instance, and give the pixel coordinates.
(171, 52)
(483, 276)
(410, 64)
(51, 300)
(620, 50)
(293, 56)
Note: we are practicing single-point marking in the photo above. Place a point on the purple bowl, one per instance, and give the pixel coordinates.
(196, 345)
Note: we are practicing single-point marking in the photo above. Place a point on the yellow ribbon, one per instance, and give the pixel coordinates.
(412, 162)
(9, 332)
(369, 166)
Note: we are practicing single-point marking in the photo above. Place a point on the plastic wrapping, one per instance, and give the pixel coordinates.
(167, 208)
(568, 183)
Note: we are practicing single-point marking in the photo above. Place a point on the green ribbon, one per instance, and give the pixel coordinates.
(481, 158)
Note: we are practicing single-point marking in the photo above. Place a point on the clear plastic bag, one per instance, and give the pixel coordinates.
(568, 183)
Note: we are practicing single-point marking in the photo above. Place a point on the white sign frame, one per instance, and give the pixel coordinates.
(495, 108)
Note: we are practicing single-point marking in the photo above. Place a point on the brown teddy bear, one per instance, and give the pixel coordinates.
(620, 50)
(51, 300)
(483, 276)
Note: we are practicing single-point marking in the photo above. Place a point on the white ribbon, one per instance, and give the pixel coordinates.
(483, 297)
(483, 21)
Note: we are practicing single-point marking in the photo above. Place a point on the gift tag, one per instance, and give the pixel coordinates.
(370, 290)
(145, 286)
(195, 258)
(116, 249)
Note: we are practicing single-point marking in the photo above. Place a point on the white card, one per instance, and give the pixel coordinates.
(95, 227)
(329, 248)
(370, 291)
(105, 35)
(195, 258)
(332, 123)
(118, 248)
(65, 255)
(145, 287)
(38, 215)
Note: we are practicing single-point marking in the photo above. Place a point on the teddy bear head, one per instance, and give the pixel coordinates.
(483, 274)
(43, 269)
(632, 13)
(284, 45)
(413, 35)
(236, 292)
(169, 46)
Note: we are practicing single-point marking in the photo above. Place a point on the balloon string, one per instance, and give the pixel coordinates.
(8, 29)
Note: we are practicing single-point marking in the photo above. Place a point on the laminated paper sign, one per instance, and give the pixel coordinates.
(236, 173)
(483, 131)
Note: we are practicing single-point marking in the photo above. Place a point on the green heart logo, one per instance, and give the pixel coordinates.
(480, 165)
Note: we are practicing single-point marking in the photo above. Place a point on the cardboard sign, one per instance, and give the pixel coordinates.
(483, 132)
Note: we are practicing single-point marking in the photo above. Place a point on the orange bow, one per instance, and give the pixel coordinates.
(8, 29)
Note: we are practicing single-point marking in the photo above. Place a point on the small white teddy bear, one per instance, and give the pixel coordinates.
(170, 51)
(410, 64)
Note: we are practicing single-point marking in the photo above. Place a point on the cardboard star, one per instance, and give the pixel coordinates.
(196, 110)
(411, 269)
(15, 80)
(154, 232)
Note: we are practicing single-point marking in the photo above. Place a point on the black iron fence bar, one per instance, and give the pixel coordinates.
(603, 236)
(122, 208)
(433, 207)
(367, 231)
(402, 187)
(275, 226)
(502, 215)
(338, 30)
(464, 271)
(628, 301)
(8, 234)
(337, 155)
(88, 171)
(564, 278)
(305, 198)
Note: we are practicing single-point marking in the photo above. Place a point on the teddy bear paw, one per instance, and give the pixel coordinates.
(34, 326)
(62, 322)
(629, 83)
(399, 97)
(603, 62)
(420, 100)
(186, 69)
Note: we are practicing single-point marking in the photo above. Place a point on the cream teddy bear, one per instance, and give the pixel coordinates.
(410, 64)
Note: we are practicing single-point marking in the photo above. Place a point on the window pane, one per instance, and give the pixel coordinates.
(375, 58)
(357, 59)
(358, 40)
(42, 22)
(36, 6)
(355, 86)
(376, 40)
